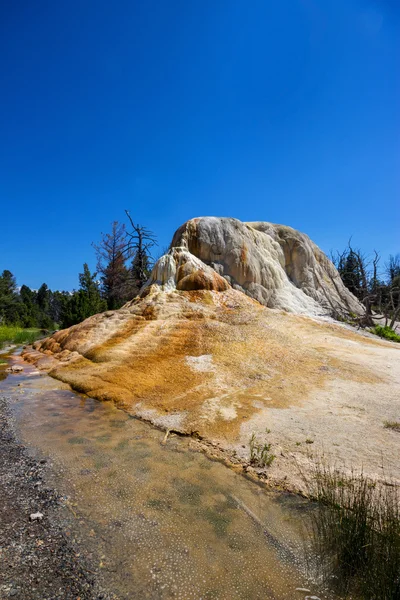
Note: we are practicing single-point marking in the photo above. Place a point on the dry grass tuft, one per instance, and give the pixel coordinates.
(395, 425)
(356, 533)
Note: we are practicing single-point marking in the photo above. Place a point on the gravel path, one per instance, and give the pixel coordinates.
(38, 559)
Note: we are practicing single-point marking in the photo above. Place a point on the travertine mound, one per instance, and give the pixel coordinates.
(198, 360)
(193, 333)
(195, 354)
(276, 265)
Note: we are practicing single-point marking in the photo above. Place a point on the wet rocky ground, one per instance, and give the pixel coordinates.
(39, 557)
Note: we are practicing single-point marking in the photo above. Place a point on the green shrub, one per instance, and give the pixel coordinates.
(260, 454)
(386, 332)
(17, 335)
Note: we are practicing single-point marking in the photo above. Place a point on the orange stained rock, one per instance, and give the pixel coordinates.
(207, 360)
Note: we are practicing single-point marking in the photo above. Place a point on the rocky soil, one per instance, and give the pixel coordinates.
(39, 558)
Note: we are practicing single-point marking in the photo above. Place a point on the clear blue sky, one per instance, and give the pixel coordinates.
(285, 111)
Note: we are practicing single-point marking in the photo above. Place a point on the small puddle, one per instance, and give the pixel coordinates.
(5, 358)
(167, 522)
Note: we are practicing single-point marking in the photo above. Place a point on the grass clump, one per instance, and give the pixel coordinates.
(395, 425)
(386, 332)
(356, 534)
(260, 454)
(18, 335)
(76, 440)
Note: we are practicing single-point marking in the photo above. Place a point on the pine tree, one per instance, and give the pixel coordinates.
(11, 308)
(31, 309)
(110, 253)
(349, 269)
(58, 302)
(43, 300)
(84, 302)
(91, 302)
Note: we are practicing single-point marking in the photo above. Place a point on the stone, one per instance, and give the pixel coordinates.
(38, 516)
(181, 270)
(15, 369)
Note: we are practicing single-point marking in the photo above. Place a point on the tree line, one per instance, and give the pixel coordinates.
(376, 286)
(124, 263)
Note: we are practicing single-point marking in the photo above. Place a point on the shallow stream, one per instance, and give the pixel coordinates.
(165, 521)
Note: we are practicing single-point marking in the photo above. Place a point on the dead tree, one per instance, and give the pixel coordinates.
(140, 241)
(353, 267)
(110, 254)
(360, 274)
(369, 284)
(392, 305)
